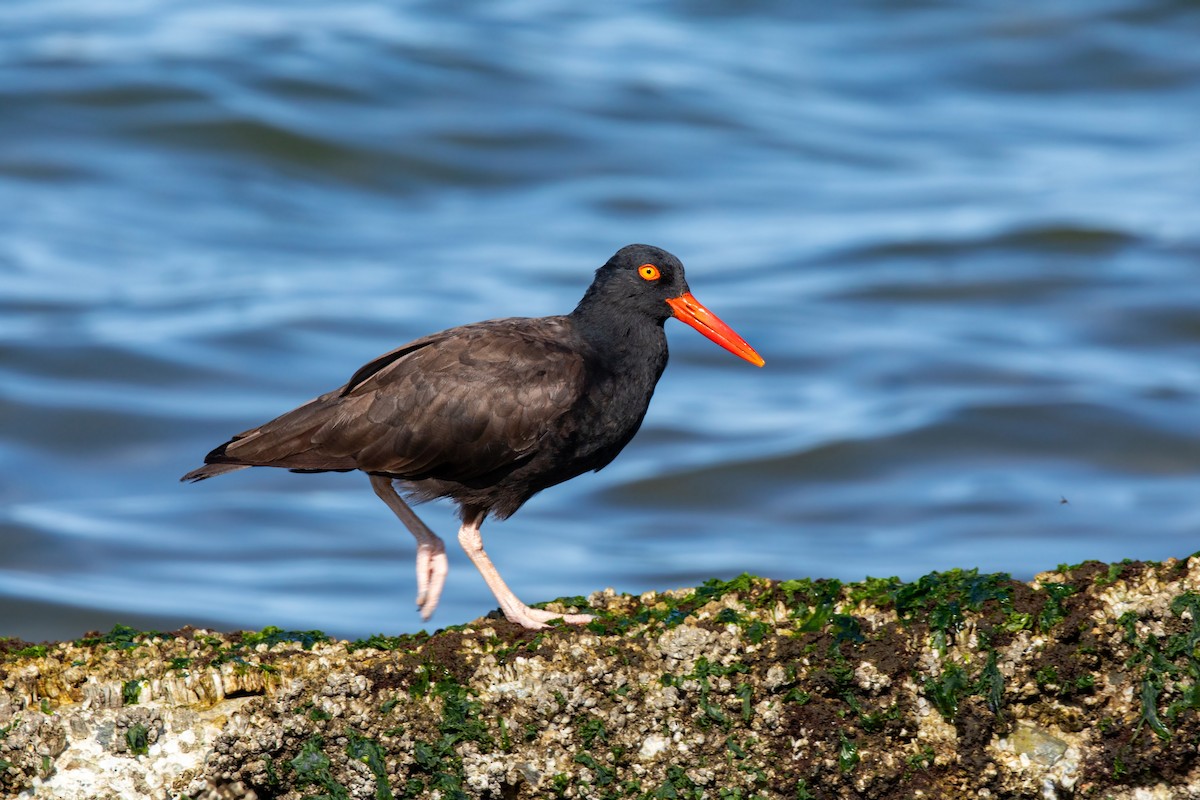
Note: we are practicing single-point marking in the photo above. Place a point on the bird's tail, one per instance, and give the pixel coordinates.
(291, 441)
(211, 471)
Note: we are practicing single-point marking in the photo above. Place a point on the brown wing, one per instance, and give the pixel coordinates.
(455, 405)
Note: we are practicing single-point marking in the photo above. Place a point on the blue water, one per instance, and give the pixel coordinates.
(965, 237)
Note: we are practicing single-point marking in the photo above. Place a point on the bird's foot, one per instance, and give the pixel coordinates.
(535, 618)
(432, 567)
(514, 610)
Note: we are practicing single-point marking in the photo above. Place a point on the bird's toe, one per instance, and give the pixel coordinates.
(432, 568)
(542, 616)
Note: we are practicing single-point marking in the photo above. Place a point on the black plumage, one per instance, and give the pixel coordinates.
(491, 413)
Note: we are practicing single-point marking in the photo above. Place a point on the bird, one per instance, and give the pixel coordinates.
(491, 413)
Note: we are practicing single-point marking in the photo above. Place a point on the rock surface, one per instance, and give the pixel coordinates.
(1083, 683)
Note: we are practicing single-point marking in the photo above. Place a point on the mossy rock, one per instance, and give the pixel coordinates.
(1084, 682)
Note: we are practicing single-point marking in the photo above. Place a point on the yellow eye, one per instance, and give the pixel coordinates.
(649, 272)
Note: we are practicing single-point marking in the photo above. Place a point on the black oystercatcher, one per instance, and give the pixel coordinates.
(490, 414)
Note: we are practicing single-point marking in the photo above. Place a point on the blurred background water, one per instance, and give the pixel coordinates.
(965, 236)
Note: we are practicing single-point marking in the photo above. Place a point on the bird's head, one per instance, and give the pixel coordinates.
(644, 279)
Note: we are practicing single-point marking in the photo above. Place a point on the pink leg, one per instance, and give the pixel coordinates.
(432, 565)
(514, 609)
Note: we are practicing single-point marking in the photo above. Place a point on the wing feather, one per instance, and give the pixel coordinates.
(456, 405)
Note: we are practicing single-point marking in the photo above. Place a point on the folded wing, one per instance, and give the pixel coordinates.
(457, 405)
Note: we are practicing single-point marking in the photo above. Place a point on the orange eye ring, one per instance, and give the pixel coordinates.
(648, 272)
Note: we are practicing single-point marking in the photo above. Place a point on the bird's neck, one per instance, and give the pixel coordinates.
(622, 342)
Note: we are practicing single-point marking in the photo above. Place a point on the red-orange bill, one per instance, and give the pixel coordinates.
(688, 309)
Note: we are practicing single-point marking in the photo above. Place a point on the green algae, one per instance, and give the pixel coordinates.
(180, 663)
(676, 786)
(368, 751)
(811, 603)
(1174, 660)
(131, 690)
(848, 756)
(137, 739)
(121, 637)
(941, 599)
(671, 611)
(383, 642)
(991, 684)
(13, 648)
(437, 760)
(271, 636)
(947, 690)
(313, 768)
(591, 731)
(575, 601)
(1053, 611)
(701, 673)
(602, 775)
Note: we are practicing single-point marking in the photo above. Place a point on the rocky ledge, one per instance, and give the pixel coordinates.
(1084, 683)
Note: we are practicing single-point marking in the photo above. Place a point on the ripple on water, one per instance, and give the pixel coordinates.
(967, 252)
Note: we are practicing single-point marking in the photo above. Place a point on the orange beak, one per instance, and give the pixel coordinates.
(688, 309)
